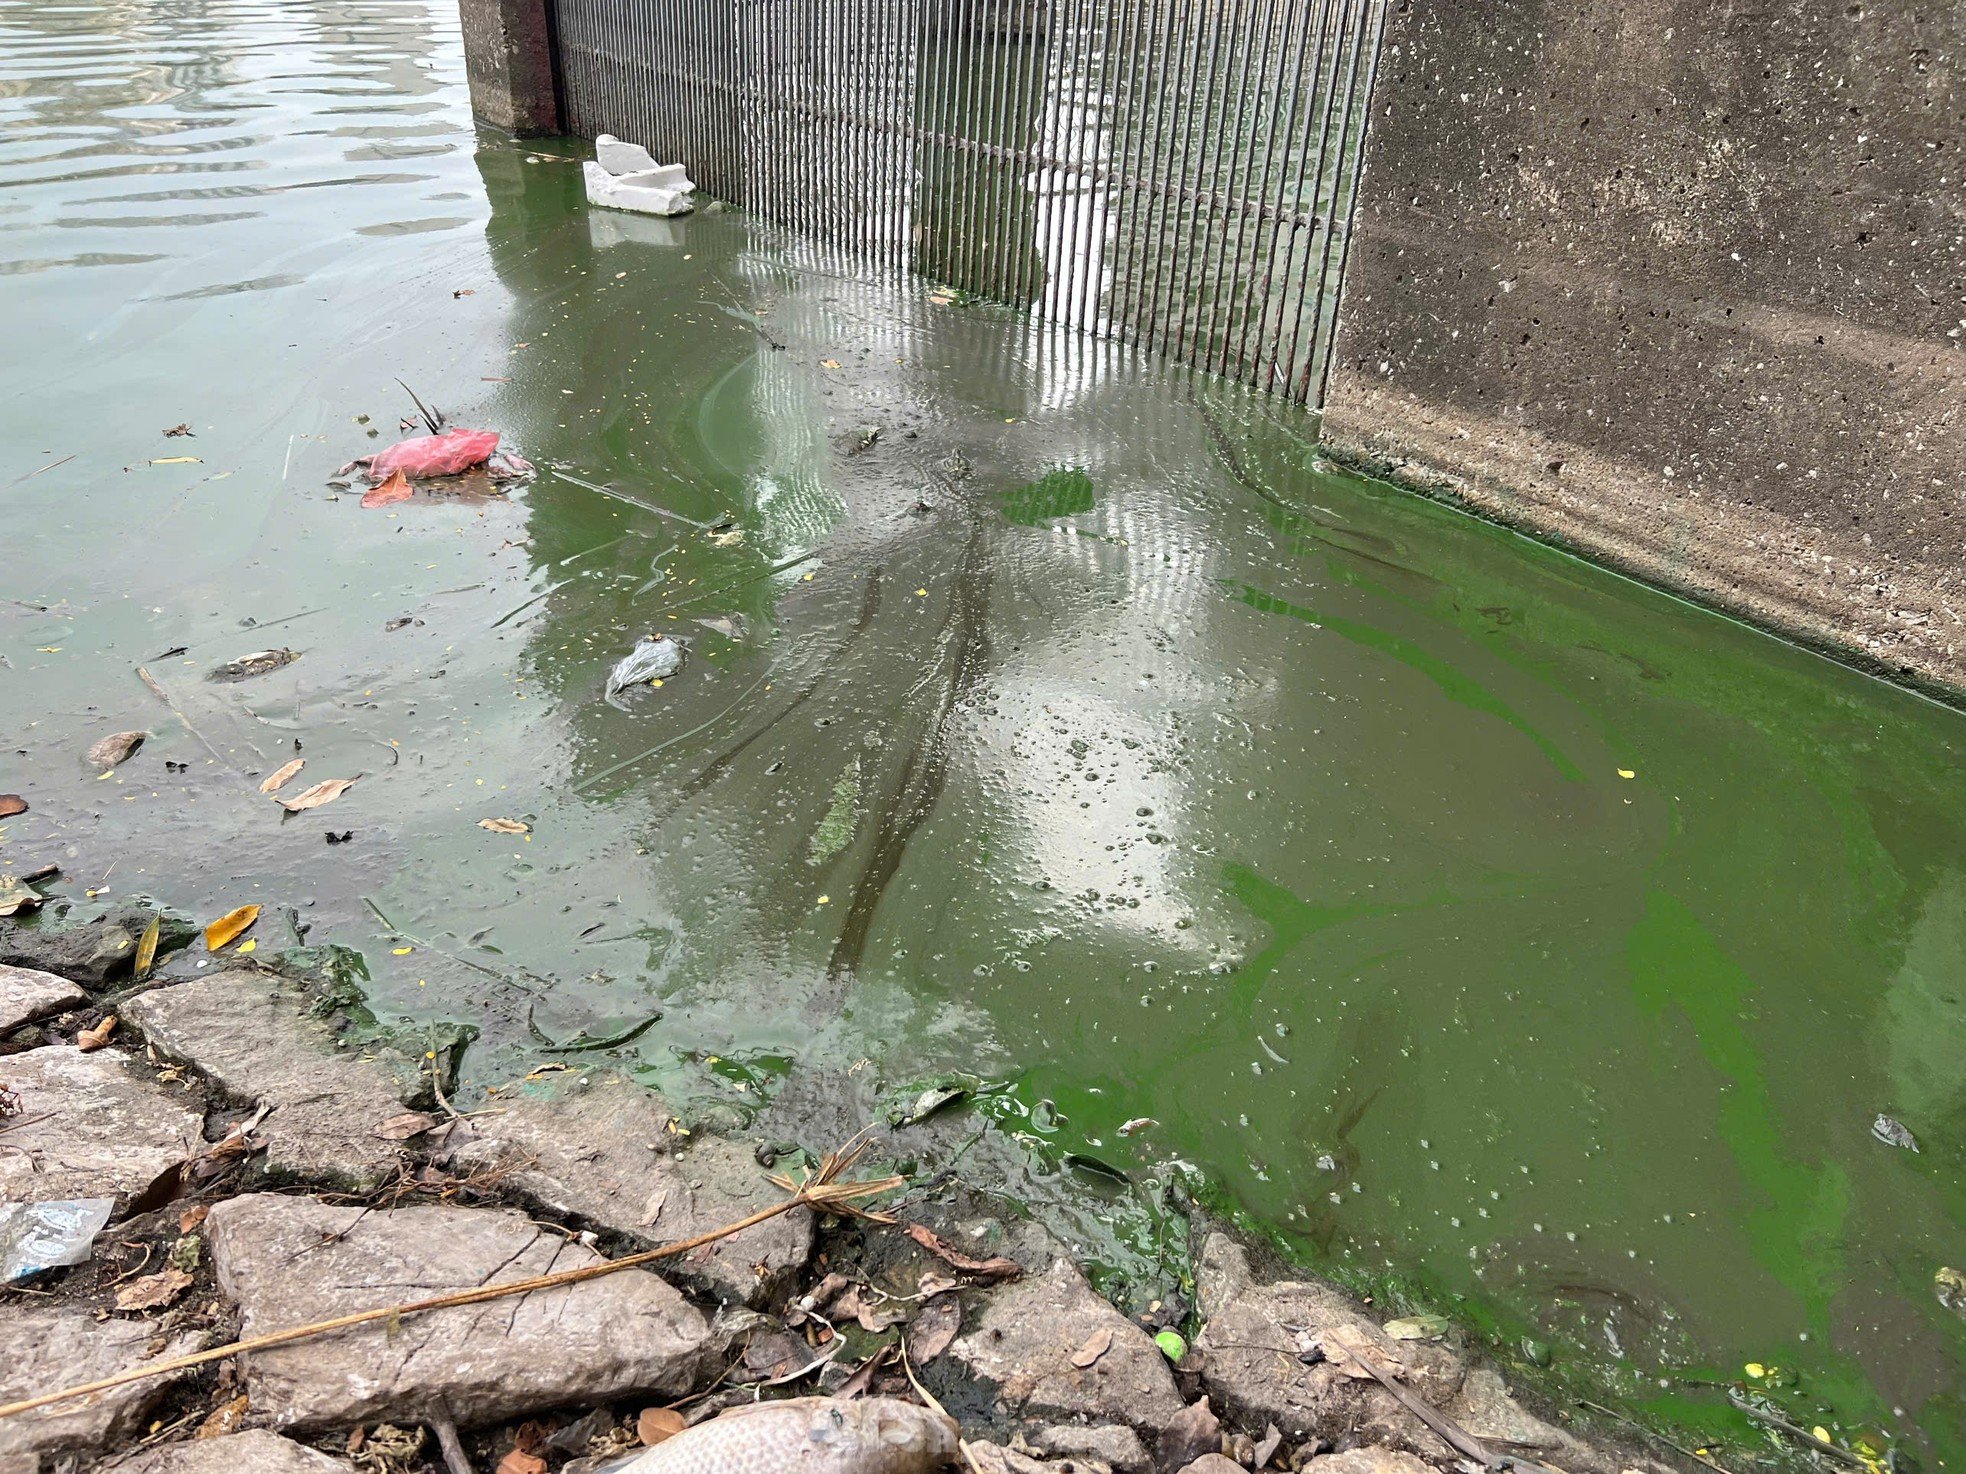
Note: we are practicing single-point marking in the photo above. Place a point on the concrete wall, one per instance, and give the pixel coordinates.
(508, 60)
(1681, 284)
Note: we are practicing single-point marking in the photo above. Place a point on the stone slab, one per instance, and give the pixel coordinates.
(600, 1149)
(256, 1451)
(250, 1033)
(291, 1260)
(55, 1346)
(27, 994)
(102, 1131)
(1027, 1334)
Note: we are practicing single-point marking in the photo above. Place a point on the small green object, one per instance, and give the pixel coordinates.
(1171, 1345)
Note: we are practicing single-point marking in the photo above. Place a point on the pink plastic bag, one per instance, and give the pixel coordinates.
(434, 455)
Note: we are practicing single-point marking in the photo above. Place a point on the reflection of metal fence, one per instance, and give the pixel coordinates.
(1176, 173)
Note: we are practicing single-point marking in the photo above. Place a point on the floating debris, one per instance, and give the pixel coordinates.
(259, 663)
(1893, 1132)
(654, 658)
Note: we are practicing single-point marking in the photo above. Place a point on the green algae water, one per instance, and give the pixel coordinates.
(1470, 920)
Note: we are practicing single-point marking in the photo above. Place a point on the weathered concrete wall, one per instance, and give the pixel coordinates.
(508, 59)
(1683, 285)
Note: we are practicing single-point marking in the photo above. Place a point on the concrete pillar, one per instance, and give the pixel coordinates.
(508, 57)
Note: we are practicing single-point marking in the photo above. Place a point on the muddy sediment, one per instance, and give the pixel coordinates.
(271, 1161)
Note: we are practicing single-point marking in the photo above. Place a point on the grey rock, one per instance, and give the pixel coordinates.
(27, 994)
(289, 1260)
(54, 1346)
(103, 1131)
(1027, 1335)
(1485, 1408)
(251, 1034)
(1369, 1461)
(1255, 1334)
(995, 1458)
(600, 1149)
(94, 952)
(1222, 1464)
(1111, 1444)
(254, 1452)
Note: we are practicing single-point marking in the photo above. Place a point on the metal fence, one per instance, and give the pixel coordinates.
(1178, 174)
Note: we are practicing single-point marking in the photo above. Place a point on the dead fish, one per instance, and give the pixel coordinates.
(814, 1435)
(1893, 1133)
(115, 748)
(256, 664)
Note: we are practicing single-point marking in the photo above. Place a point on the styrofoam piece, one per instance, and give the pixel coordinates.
(642, 193)
(618, 157)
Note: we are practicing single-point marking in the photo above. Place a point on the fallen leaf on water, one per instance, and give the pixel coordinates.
(1138, 1123)
(256, 664)
(191, 1217)
(518, 1461)
(176, 460)
(12, 804)
(184, 429)
(116, 748)
(1626, 773)
(395, 489)
(93, 1039)
(320, 793)
(147, 949)
(935, 1328)
(17, 895)
(505, 826)
(403, 1127)
(1095, 1347)
(1755, 1369)
(829, 363)
(229, 927)
(225, 1418)
(995, 1267)
(657, 1423)
(279, 779)
(153, 1291)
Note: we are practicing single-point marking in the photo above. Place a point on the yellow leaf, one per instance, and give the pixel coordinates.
(279, 779)
(320, 793)
(509, 826)
(1821, 1433)
(401, 951)
(829, 363)
(824, 899)
(229, 926)
(1755, 1369)
(1626, 773)
(147, 949)
(251, 944)
(177, 461)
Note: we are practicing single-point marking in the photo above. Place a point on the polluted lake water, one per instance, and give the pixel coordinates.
(1481, 926)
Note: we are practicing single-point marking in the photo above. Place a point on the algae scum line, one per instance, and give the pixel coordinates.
(1049, 737)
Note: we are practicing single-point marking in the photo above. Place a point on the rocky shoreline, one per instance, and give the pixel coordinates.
(267, 1165)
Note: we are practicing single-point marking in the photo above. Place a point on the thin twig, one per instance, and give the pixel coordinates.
(454, 1456)
(1633, 1423)
(178, 712)
(908, 1370)
(490, 972)
(822, 1192)
(1801, 1434)
(1451, 1433)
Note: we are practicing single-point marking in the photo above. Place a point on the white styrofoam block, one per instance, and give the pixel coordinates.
(606, 190)
(622, 158)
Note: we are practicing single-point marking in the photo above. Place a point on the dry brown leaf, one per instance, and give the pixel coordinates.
(1094, 1348)
(320, 793)
(518, 1461)
(225, 1418)
(147, 949)
(657, 1423)
(116, 748)
(862, 1379)
(935, 1328)
(403, 1127)
(995, 1267)
(153, 1291)
(280, 778)
(12, 804)
(230, 927)
(93, 1039)
(396, 489)
(505, 826)
(190, 1218)
(652, 1209)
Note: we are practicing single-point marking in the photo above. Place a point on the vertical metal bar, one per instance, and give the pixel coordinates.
(1119, 138)
(1219, 265)
(1330, 27)
(1132, 227)
(1168, 103)
(988, 121)
(1027, 73)
(1316, 259)
(1095, 148)
(1187, 209)
(1377, 22)
(1240, 276)
(1063, 150)
(1202, 179)
(969, 80)
(929, 224)
(1320, 335)
(1285, 126)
